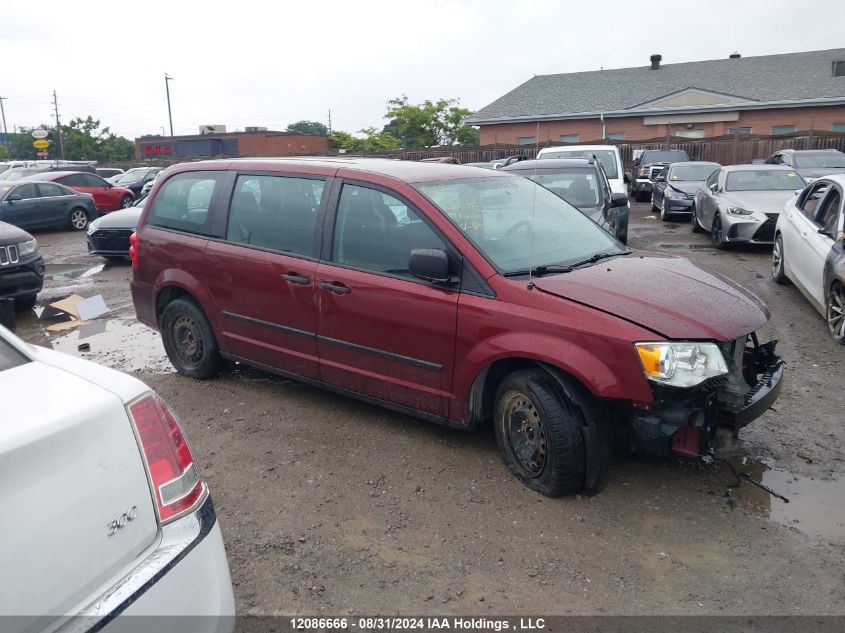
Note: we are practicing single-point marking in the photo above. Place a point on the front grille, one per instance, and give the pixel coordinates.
(654, 171)
(9, 255)
(111, 239)
(766, 232)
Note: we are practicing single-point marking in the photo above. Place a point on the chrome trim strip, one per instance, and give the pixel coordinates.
(177, 540)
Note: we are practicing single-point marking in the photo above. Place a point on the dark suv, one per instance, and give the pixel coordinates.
(583, 184)
(464, 297)
(810, 163)
(648, 164)
(21, 266)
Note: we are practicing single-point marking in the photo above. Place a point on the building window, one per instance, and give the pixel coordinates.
(839, 69)
(839, 127)
(782, 129)
(615, 136)
(739, 130)
(525, 140)
(568, 138)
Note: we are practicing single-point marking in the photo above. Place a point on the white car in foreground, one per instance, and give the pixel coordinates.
(809, 249)
(102, 511)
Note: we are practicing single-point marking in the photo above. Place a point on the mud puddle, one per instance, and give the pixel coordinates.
(813, 506)
(118, 343)
(68, 272)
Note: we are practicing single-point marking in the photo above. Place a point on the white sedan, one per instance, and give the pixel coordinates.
(809, 249)
(102, 509)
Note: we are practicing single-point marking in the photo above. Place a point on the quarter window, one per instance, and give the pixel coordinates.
(275, 212)
(377, 232)
(184, 200)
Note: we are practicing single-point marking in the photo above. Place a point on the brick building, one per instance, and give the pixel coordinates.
(771, 94)
(230, 144)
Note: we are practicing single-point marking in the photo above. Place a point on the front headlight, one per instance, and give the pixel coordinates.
(643, 171)
(738, 211)
(93, 226)
(27, 248)
(681, 364)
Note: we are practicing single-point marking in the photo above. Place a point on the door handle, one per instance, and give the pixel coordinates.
(336, 287)
(296, 279)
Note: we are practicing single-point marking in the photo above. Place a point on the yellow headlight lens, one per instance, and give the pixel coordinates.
(650, 358)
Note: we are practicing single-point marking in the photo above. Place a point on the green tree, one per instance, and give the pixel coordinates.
(83, 139)
(428, 124)
(375, 141)
(345, 141)
(309, 127)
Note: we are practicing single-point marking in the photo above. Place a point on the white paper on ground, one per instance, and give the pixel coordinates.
(91, 308)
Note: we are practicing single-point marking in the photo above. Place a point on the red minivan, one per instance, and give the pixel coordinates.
(459, 295)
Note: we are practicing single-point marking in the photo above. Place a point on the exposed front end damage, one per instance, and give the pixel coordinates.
(703, 420)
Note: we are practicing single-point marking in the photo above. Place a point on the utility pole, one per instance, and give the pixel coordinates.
(330, 122)
(167, 80)
(58, 126)
(5, 131)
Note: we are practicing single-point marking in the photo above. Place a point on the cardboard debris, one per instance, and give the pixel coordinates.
(79, 311)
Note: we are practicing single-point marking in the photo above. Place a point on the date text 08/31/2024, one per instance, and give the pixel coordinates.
(418, 624)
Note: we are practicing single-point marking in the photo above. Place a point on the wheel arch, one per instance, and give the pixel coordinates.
(174, 284)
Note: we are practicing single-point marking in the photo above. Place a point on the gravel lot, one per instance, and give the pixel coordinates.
(330, 506)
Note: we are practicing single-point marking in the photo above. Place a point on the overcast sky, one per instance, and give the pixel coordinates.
(272, 63)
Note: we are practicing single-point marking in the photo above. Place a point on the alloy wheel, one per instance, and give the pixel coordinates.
(716, 232)
(836, 313)
(777, 259)
(78, 219)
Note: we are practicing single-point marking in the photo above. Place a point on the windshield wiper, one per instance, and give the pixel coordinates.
(545, 269)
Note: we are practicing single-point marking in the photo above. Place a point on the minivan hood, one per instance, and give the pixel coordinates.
(666, 294)
(762, 201)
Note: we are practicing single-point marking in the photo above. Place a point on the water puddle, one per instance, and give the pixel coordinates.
(118, 343)
(66, 272)
(815, 507)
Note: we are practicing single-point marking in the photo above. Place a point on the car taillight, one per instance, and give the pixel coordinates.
(173, 476)
(133, 249)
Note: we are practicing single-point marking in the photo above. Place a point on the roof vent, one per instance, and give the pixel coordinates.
(734, 56)
(655, 61)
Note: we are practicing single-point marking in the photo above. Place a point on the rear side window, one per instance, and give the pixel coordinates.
(275, 212)
(74, 180)
(184, 200)
(49, 190)
(376, 231)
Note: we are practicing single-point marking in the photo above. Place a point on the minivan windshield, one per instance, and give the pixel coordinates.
(519, 225)
(606, 157)
(763, 180)
(820, 160)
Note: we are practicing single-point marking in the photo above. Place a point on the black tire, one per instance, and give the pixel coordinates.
(778, 272)
(663, 215)
(78, 219)
(696, 227)
(25, 303)
(640, 197)
(189, 340)
(835, 312)
(654, 208)
(716, 234)
(530, 404)
(126, 201)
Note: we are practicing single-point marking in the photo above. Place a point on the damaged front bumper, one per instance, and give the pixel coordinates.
(694, 421)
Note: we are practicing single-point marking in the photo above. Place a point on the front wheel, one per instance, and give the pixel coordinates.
(696, 227)
(717, 235)
(778, 263)
(835, 312)
(539, 433)
(78, 219)
(189, 340)
(126, 201)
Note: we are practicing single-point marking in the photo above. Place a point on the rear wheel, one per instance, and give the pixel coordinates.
(189, 340)
(78, 219)
(835, 312)
(126, 201)
(696, 227)
(539, 433)
(717, 235)
(639, 196)
(778, 273)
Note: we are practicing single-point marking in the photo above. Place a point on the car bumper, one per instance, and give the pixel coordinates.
(109, 242)
(22, 279)
(741, 229)
(143, 298)
(687, 421)
(642, 184)
(186, 574)
(677, 205)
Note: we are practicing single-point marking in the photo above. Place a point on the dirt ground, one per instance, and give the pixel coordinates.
(330, 506)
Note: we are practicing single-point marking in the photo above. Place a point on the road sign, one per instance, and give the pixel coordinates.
(42, 153)
(40, 133)
(41, 144)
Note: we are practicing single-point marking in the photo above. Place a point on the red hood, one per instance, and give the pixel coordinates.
(668, 295)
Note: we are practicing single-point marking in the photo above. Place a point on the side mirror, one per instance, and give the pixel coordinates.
(431, 264)
(14, 197)
(626, 177)
(714, 187)
(660, 179)
(618, 199)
